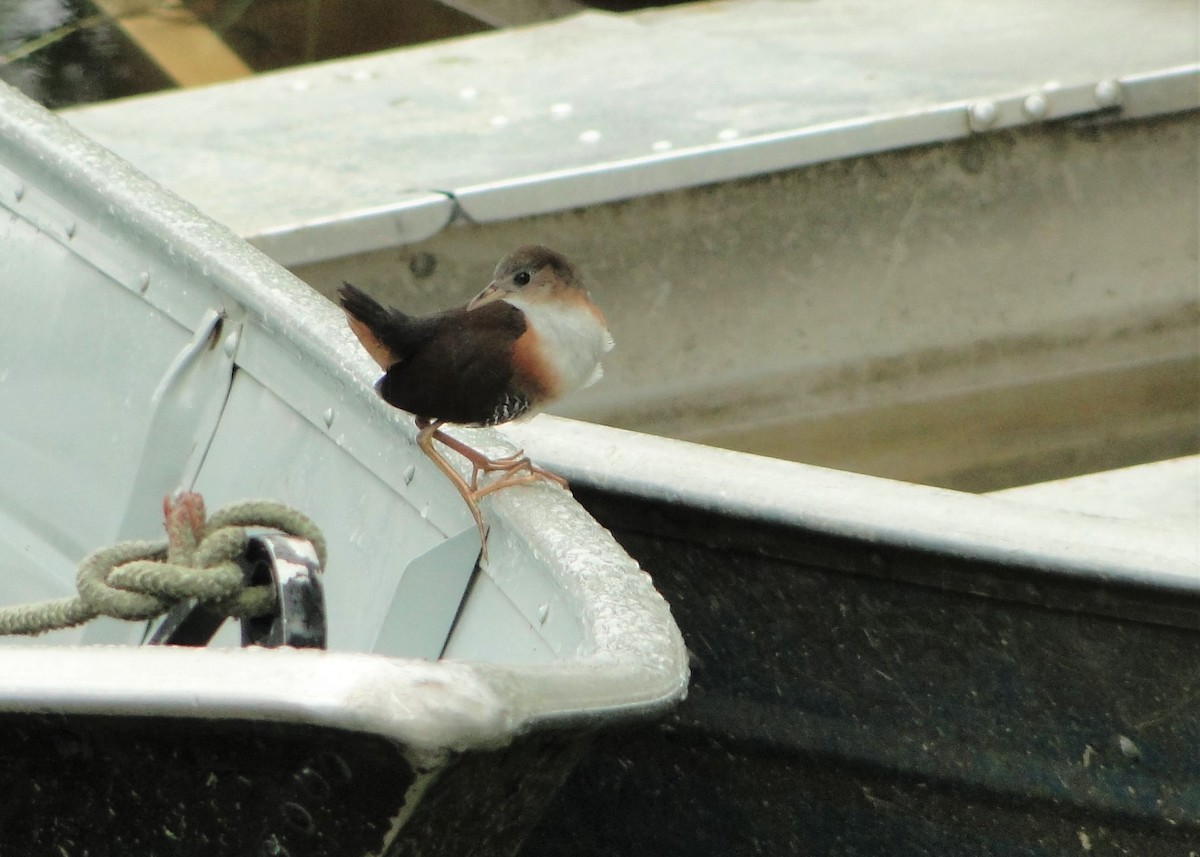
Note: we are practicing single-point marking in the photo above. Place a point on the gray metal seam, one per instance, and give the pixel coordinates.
(426, 213)
(1140, 96)
(419, 216)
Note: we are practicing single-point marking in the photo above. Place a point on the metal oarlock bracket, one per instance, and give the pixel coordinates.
(288, 564)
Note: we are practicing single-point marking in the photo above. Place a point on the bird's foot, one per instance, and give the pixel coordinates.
(509, 466)
(510, 469)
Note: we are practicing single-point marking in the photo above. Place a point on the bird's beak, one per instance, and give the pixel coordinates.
(492, 293)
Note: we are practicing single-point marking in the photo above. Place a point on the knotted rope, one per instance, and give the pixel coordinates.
(140, 580)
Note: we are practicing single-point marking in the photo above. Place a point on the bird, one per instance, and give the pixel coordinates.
(530, 337)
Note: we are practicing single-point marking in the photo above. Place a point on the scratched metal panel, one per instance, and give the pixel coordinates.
(108, 401)
(350, 156)
(70, 445)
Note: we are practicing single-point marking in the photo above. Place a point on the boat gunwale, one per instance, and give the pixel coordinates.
(867, 508)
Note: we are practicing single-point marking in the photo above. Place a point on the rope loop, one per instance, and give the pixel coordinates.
(136, 581)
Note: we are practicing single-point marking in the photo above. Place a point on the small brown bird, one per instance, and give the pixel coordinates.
(530, 337)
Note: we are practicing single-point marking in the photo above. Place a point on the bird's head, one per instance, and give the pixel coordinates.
(534, 273)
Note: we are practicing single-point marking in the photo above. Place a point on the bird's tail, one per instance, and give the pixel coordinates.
(374, 325)
(363, 307)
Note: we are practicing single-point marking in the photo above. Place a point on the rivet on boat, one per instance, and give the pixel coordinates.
(561, 110)
(981, 114)
(19, 192)
(409, 473)
(543, 614)
(143, 281)
(1108, 93)
(1035, 106)
(727, 134)
(590, 136)
(69, 229)
(231, 343)
(329, 415)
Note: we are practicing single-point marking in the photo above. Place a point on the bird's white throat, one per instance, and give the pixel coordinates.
(572, 339)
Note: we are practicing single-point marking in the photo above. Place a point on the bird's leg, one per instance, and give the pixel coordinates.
(507, 466)
(425, 437)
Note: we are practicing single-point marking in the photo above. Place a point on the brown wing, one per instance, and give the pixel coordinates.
(463, 370)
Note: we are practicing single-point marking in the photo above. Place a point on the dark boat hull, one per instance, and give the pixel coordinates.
(874, 694)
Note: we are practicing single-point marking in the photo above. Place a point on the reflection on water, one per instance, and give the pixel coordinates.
(62, 52)
(270, 34)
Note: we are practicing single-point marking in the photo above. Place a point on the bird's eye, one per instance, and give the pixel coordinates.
(522, 278)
